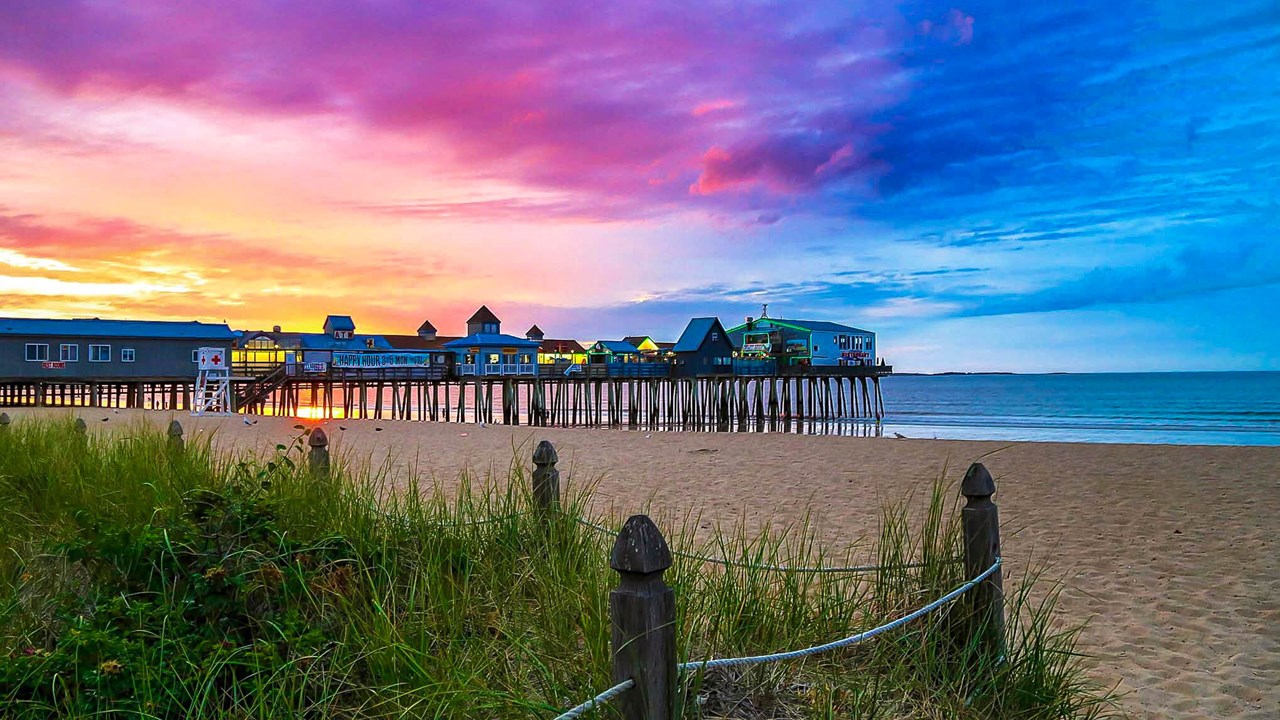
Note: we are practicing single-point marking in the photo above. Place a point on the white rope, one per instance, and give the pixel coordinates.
(604, 697)
(774, 568)
(845, 642)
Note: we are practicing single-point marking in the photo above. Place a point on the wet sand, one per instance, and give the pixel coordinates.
(1169, 552)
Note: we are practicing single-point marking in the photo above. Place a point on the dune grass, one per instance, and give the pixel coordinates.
(139, 581)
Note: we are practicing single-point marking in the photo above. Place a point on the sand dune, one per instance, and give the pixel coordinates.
(1169, 552)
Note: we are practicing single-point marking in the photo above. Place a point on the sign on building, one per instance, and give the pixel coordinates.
(211, 359)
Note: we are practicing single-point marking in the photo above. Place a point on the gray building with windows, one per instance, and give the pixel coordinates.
(83, 349)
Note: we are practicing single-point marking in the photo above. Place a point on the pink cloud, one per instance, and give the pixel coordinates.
(711, 106)
(574, 96)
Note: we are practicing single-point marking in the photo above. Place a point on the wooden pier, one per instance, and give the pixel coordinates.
(724, 403)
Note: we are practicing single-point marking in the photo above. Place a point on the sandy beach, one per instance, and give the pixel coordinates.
(1169, 552)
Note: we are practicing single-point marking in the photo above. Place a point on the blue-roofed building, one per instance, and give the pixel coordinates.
(804, 342)
(53, 349)
(703, 349)
(487, 351)
(603, 352)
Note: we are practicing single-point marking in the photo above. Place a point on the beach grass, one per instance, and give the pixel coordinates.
(138, 580)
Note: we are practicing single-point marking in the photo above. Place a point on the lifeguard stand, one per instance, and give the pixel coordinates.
(213, 383)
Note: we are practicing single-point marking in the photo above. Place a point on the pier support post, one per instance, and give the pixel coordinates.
(318, 457)
(980, 519)
(643, 611)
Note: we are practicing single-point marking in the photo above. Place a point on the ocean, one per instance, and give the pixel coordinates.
(1209, 408)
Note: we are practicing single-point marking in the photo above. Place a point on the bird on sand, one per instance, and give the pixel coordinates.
(341, 427)
(900, 436)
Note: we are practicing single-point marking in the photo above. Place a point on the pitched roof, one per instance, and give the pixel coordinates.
(426, 326)
(417, 342)
(93, 327)
(339, 322)
(695, 333)
(534, 331)
(637, 339)
(618, 346)
(484, 315)
(561, 346)
(490, 340)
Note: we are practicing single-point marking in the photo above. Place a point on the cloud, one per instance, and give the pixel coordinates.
(604, 100)
(1194, 271)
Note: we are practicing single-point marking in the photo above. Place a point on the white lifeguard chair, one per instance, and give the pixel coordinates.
(213, 383)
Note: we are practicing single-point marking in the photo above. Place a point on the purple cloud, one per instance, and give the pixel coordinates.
(675, 103)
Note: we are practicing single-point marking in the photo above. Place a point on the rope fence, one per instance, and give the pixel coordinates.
(704, 665)
(844, 642)
(604, 697)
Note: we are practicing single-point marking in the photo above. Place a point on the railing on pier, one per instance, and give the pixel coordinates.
(496, 369)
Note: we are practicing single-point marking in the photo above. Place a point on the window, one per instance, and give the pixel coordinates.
(195, 356)
(715, 337)
(69, 353)
(37, 352)
(99, 353)
(126, 355)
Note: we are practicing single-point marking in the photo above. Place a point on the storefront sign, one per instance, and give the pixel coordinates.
(54, 365)
(315, 367)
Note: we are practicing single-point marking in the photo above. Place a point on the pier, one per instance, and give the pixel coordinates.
(634, 395)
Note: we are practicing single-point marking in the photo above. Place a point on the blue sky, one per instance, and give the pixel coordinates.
(1084, 186)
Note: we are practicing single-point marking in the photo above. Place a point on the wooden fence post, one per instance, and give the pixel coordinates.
(546, 478)
(643, 611)
(981, 522)
(81, 427)
(318, 458)
(4, 421)
(175, 436)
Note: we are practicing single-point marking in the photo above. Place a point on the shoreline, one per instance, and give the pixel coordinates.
(1169, 552)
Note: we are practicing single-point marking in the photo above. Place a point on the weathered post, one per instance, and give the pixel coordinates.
(643, 611)
(546, 478)
(318, 458)
(4, 421)
(81, 427)
(175, 436)
(981, 522)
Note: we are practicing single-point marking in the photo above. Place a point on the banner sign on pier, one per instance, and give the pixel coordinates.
(380, 360)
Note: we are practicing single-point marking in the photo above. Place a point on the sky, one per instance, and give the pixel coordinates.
(1082, 186)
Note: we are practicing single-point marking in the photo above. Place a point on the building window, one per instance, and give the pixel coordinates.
(69, 353)
(195, 356)
(715, 337)
(126, 355)
(99, 353)
(37, 352)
